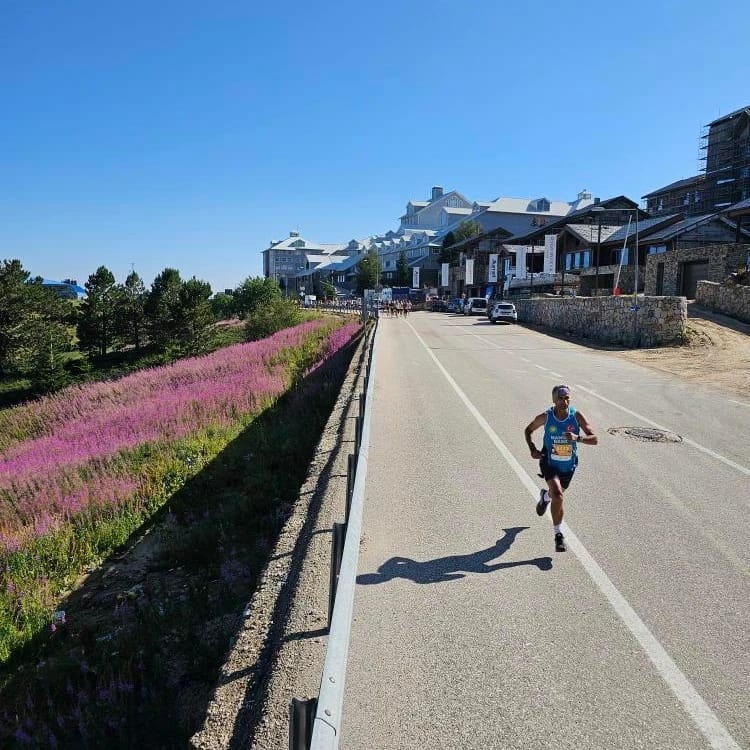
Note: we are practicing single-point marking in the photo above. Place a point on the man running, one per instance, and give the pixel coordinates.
(558, 458)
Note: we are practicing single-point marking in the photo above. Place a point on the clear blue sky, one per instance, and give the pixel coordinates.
(190, 134)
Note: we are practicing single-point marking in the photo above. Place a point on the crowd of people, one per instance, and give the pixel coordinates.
(396, 308)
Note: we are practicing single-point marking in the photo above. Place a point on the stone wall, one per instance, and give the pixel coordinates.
(610, 320)
(725, 298)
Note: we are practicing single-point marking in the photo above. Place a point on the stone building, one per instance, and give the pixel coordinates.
(677, 270)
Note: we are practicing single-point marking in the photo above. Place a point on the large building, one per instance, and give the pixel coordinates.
(724, 177)
(285, 260)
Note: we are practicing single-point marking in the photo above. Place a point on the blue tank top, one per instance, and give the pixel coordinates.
(560, 453)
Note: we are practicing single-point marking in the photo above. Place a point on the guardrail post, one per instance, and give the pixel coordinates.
(337, 551)
(362, 406)
(350, 471)
(357, 433)
(301, 721)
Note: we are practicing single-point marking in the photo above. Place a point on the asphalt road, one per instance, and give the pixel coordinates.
(470, 631)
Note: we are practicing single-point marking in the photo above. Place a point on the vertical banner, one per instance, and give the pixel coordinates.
(469, 271)
(415, 277)
(444, 274)
(492, 275)
(550, 253)
(521, 262)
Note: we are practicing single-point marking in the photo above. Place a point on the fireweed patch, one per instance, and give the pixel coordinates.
(82, 469)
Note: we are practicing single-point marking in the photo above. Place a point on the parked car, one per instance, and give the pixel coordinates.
(455, 305)
(475, 306)
(438, 305)
(505, 311)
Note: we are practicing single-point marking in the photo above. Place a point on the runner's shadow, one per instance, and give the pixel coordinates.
(453, 567)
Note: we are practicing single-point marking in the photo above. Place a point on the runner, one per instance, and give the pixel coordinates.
(558, 458)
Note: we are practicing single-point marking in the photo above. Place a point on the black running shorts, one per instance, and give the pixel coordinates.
(548, 472)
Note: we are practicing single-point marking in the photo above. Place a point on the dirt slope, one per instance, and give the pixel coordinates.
(717, 352)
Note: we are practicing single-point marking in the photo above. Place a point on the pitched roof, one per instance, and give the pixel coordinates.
(562, 221)
(345, 263)
(644, 227)
(739, 111)
(742, 206)
(590, 232)
(75, 287)
(685, 225)
(528, 206)
(687, 182)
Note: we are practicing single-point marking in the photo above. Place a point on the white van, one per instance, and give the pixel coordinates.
(475, 306)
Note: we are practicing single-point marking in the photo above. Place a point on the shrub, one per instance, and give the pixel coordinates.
(275, 314)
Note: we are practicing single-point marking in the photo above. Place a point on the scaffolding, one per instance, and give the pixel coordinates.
(724, 162)
(723, 177)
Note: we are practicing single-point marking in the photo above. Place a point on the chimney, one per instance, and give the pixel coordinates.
(596, 200)
(437, 192)
(294, 234)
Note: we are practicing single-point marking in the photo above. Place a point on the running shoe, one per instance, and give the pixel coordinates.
(541, 506)
(560, 542)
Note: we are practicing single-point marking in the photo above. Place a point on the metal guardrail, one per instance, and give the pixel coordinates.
(326, 726)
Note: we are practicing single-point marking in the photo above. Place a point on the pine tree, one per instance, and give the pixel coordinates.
(96, 325)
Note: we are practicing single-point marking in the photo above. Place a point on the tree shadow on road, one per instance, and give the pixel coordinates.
(453, 567)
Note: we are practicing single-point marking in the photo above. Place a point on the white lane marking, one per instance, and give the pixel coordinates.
(523, 359)
(542, 368)
(739, 403)
(692, 702)
(687, 441)
(556, 374)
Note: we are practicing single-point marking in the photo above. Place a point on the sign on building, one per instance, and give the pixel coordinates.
(521, 262)
(550, 252)
(444, 274)
(492, 275)
(469, 271)
(415, 277)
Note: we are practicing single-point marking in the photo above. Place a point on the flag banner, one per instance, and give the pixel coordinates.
(444, 274)
(492, 275)
(550, 252)
(469, 271)
(521, 262)
(415, 277)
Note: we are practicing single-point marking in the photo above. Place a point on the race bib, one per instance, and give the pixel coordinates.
(562, 451)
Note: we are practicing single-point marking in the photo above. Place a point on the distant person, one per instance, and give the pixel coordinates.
(559, 457)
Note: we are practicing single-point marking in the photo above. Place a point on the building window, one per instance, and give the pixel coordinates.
(568, 261)
(586, 259)
(656, 249)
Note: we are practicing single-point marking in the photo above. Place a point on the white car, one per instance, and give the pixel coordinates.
(475, 306)
(502, 311)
